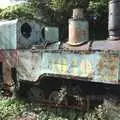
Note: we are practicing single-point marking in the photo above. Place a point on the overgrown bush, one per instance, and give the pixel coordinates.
(98, 7)
(25, 10)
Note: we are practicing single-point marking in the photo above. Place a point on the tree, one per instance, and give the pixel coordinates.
(25, 10)
(56, 11)
(98, 8)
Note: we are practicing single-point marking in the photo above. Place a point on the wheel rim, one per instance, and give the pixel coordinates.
(56, 99)
(35, 93)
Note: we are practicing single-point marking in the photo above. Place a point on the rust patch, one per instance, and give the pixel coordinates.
(82, 46)
(1, 55)
(9, 60)
(108, 66)
(7, 74)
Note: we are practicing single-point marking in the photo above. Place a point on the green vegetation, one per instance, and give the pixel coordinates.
(13, 109)
(10, 108)
(98, 7)
(55, 8)
(17, 11)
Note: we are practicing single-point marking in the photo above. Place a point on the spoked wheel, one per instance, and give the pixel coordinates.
(56, 98)
(36, 94)
(82, 102)
(78, 99)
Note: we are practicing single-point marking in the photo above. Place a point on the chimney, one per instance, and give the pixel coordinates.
(114, 20)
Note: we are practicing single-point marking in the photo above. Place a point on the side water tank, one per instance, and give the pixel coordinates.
(114, 18)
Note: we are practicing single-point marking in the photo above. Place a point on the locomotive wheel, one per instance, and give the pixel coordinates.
(78, 98)
(55, 98)
(82, 101)
(35, 93)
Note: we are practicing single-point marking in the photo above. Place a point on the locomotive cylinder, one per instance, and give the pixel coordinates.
(114, 19)
(78, 28)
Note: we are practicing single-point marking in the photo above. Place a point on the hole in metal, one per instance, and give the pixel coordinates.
(26, 30)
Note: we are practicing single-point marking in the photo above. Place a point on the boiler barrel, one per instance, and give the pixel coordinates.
(114, 18)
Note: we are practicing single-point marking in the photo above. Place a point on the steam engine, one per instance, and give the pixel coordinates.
(70, 74)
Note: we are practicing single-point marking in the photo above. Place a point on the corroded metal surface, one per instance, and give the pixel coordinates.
(78, 31)
(81, 46)
(112, 45)
(9, 61)
(97, 66)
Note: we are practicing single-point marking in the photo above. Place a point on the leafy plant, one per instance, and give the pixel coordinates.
(98, 114)
(10, 108)
(17, 11)
(59, 4)
(98, 7)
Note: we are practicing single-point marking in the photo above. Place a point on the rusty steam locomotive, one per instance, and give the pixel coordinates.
(66, 74)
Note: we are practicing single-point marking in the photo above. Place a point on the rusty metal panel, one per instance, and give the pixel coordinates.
(78, 31)
(82, 46)
(107, 68)
(98, 66)
(24, 66)
(10, 55)
(8, 60)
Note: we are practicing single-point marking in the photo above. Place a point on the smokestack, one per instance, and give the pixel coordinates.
(78, 28)
(114, 20)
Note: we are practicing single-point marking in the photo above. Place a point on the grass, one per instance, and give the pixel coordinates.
(10, 108)
(15, 109)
